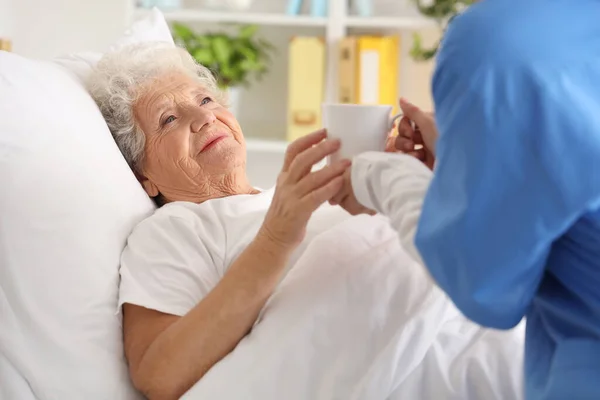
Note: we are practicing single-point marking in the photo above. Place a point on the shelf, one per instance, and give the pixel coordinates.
(194, 15)
(191, 15)
(390, 22)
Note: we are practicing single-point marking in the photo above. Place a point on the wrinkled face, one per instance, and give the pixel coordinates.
(194, 145)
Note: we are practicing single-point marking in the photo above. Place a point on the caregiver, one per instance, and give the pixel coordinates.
(510, 224)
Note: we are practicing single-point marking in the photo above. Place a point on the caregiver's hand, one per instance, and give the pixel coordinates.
(299, 192)
(418, 141)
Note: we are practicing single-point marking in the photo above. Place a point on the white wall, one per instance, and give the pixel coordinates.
(46, 28)
(7, 27)
(417, 88)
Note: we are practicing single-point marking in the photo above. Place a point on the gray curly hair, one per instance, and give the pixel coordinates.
(116, 83)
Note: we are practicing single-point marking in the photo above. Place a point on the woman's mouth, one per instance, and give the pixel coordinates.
(212, 142)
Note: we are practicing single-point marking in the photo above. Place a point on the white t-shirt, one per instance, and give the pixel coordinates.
(174, 258)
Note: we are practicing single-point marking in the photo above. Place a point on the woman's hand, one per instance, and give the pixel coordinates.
(299, 192)
(346, 198)
(418, 141)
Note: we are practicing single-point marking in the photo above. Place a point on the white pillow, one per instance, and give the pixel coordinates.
(68, 203)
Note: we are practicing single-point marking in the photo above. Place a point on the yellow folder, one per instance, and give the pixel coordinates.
(378, 63)
(306, 85)
(347, 70)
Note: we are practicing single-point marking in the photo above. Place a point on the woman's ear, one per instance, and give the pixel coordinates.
(150, 188)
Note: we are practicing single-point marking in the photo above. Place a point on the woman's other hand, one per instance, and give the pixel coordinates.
(346, 198)
(299, 191)
(418, 141)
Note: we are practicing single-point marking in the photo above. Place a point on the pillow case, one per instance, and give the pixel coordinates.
(69, 201)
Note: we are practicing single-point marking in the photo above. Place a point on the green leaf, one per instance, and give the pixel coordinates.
(202, 41)
(221, 49)
(247, 31)
(204, 56)
(417, 51)
(248, 53)
(250, 65)
(182, 32)
(227, 72)
(443, 11)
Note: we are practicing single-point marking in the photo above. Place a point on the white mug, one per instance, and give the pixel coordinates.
(360, 128)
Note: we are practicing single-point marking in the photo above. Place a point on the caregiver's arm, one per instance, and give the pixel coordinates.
(517, 164)
(394, 185)
(168, 354)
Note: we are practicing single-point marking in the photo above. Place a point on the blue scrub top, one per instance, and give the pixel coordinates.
(510, 225)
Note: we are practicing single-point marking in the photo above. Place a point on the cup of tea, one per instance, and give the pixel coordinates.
(359, 127)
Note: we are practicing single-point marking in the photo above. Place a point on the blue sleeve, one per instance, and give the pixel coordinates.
(518, 161)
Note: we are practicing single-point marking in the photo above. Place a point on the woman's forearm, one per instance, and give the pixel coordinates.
(188, 348)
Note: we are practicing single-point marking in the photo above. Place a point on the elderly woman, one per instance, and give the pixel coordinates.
(196, 274)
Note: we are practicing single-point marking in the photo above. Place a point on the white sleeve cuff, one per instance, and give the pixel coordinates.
(374, 173)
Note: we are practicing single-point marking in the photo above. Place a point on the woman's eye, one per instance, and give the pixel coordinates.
(206, 100)
(169, 119)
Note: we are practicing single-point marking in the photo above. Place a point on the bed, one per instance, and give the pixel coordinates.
(372, 327)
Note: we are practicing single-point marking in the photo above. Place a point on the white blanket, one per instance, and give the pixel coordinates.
(357, 319)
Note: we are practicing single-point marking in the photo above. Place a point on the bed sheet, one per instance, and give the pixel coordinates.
(356, 318)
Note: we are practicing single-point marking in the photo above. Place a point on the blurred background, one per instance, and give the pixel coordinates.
(278, 59)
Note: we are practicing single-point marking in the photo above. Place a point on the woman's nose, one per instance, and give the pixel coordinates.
(201, 117)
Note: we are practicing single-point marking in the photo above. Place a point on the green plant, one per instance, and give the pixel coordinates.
(234, 59)
(443, 11)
